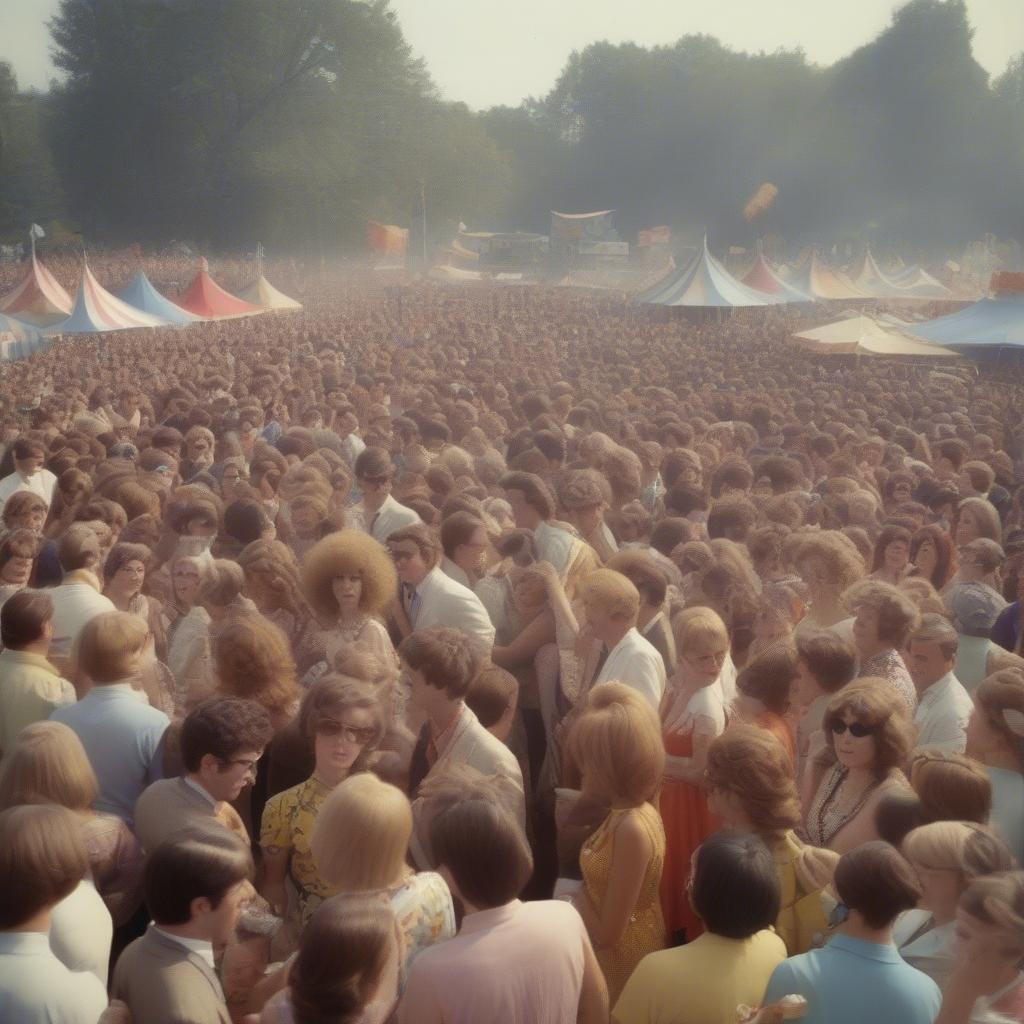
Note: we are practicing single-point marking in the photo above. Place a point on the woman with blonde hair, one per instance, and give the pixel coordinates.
(343, 722)
(868, 741)
(349, 579)
(616, 742)
(987, 986)
(947, 856)
(976, 518)
(360, 845)
(693, 712)
(188, 633)
(828, 563)
(750, 786)
(995, 737)
(48, 765)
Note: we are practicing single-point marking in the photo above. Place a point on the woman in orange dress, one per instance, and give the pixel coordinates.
(617, 744)
(693, 713)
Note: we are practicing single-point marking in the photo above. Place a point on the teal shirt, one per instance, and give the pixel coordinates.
(850, 981)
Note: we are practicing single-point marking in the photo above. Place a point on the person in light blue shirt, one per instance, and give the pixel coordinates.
(859, 976)
(122, 734)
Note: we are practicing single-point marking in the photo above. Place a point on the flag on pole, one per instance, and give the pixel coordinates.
(35, 231)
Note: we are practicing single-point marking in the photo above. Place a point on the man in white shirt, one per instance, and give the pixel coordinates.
(533, 507)
(943, 706)
(612, 604)
(43, 860)
(346, 425)
(195, 887)
(28, 474)
(431, 598)
(381, 514)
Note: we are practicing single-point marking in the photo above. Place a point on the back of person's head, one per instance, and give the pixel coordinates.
(48, 765)
(951, 787)
(42, 860)
(613, 593)
(195, 864)
(246, 520)
(735, 886)
(997, 903)
(830, 659)
(898, 813)
(447, 658)
(617, 744)
(874, 880)
(23, 618)
(343, 953)
(361, 836)
(223, 727)
(78, 547)
(493, 693)
(110, 644)
(483, 851)
(967, 848)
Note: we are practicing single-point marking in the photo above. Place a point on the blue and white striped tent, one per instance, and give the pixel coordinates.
(705, 284)
(140, 293)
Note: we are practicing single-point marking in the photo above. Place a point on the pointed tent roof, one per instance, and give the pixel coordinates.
(205, 298)
(818, 279)
(39, 298)
(870, 278)
(140, 293)
(997, 322)
(704, 283)
(97, 310)
(18, 339)
(860, 335)
(263, 293)
(763, 278)
(916, 282)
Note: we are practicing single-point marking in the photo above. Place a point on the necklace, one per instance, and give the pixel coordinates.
(832, 817)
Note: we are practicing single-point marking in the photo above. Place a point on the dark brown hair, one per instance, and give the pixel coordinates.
(876, 881)
(224, 727)
(484, 850)
(23, 617)
(448, 659)
(829, 658)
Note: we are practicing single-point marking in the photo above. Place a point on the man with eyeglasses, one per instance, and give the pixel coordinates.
(221, 742)
(381, 514)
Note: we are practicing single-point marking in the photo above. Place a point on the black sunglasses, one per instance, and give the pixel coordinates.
(856, 729)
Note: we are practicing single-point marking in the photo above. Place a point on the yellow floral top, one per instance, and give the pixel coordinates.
(288, 824)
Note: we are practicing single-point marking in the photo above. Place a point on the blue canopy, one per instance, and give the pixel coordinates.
(993, 322)
(140, 293)
(18, 339)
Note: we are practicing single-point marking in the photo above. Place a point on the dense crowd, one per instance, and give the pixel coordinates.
(444, 656)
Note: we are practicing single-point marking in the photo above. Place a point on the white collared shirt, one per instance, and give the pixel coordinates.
(36, 988)
(391, 516)
(42, 483)
(942, 714)
(455, 572)
(635, 662)
(201, 947)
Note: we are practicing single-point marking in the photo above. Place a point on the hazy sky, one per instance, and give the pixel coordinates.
(486, 52)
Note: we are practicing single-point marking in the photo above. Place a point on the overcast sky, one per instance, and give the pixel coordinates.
(488, 52)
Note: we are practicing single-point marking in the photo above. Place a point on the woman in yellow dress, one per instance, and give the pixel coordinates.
(617, 744)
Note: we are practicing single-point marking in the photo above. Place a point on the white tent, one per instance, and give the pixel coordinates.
(860, 335)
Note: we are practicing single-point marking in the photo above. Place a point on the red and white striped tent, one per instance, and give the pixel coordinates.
(97, 310)
(38, 298)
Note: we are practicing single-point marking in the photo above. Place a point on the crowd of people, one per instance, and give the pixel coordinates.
(442, 656)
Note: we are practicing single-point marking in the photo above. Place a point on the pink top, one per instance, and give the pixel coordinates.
(518, 964)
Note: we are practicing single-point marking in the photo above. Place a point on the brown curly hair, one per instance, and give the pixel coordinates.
(843, 563)
(349, 551)
(254, 661)
(873, 702)
(749, 763)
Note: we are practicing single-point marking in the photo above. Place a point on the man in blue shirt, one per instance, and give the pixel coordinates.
(859, 976)
(122, 734)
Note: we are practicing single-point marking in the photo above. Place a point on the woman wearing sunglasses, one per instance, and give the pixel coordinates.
(869, 737)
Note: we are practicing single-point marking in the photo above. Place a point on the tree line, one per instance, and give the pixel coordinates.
(224, 122)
